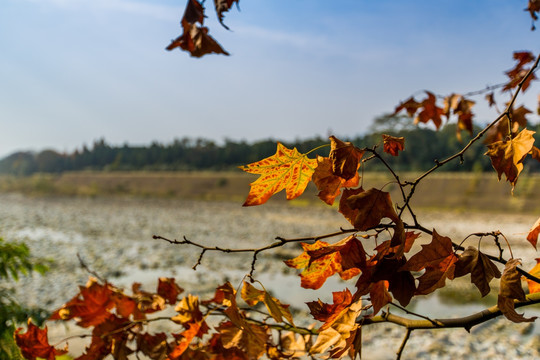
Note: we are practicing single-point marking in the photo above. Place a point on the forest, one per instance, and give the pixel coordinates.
(186, 154)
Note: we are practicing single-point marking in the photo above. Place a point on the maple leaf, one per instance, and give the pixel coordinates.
(344, 208)
(535, 153)
(147, 302)
(518, 73)
(430, 111)
(481, 268)
(438, 259)
(385, 249)
(153, 345)
(379, 295)
(277, 310)
(316, 272)
(286, 169)
(511, 290)
(222, 6)
(329, 313)
(373, 205)
(91, 306)
(197, 42)
(330, 185)
(534, 287)
(532, 236)
(410, 105)
(490, 98)
(34, 343)
(250, 338)
(352, 255)
(392, 145)
(340, 334)
(169, 290)
(345, 158)
(507, 156)
(193, 329)
(188, 310)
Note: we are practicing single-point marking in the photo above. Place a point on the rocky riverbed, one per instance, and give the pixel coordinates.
(114, 237)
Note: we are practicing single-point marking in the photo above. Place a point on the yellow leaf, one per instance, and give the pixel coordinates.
(286, 169)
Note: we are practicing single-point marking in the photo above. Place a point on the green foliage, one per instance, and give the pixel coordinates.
(15, 260)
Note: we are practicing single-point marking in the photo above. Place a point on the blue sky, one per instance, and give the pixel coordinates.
(73, 71)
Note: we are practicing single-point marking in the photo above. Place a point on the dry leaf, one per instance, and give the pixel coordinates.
(392, 145)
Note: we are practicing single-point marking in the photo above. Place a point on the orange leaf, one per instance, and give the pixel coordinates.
(507, 156)
(188, 310)
(410, 105)
(532, 237)
(34, 343)
(373, 205)
(344, 208)
(345, 158)
(91, 306)
(315, 272)
(330, 185)
(392, 145)
(330, 313)
(286, 169)
(534, 287)
(250, 338)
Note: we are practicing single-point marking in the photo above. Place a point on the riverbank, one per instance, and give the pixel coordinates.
(455, 191)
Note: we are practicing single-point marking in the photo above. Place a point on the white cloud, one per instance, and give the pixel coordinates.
(160, 12)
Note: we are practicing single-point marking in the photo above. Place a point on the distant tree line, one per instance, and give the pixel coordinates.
(422, 147)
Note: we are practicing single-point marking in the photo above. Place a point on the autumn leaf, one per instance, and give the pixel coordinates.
(344, 208)
(385, 249)
(193, 329)
(251, 339)
(345, 158)
(316, 272)
(286, 169)
(518, 73)
(339, 336)
(438, 259)
(188, 310)
(410, 105)
(481, 268)
(379, 295)
(329, 313)
(510, 291)
(169, 290)
(277, 310)
(330, 185)
(153, 345)
(392, 145)
(534, 287)
(507, 156)
(429, 111)
(147, 302)
(222, 6)
(373, 205)
(34, 343)
(532, 236)
(91, 306)
(352, 255)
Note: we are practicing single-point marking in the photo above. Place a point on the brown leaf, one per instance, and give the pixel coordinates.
(90, 307)
(153, 345)
(250, 338)
(430, 111)
(197, 42)
(481, 268)
(344, 208)
(392, 145)
(276, 309)
(379, 295)
(517, 73)
(329, 313)
(222, 6)
(535, 153)
(410, 105)
(169, 290)
(490, 97)
(330, 185)
(34, 343)
(286, 169)
(511, 290)
(373, 205)
(532, 237)
(345, 158)
(507, 156)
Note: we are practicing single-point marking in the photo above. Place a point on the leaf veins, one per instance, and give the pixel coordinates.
(286, 169)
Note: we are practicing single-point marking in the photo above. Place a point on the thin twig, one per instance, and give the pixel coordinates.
(403, 343)
(89, 270)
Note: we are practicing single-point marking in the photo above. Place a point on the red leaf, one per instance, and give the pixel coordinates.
(34, 343)
(392, 145)
(169, 290)
(329, 313)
